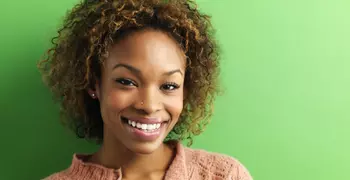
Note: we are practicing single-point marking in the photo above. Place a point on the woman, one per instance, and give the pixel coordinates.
(138, 77)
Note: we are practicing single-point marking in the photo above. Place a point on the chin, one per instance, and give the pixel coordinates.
(143, 147)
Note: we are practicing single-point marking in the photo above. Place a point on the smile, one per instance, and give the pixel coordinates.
(144, 127)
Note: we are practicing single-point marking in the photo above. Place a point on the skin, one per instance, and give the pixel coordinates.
(142, 77)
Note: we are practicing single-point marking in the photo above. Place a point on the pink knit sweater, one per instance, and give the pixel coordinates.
(188, 164)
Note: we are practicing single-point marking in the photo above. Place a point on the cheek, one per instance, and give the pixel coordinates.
(116, 101)
(175, 106)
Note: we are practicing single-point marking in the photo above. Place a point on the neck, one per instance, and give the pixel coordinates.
(116, 156)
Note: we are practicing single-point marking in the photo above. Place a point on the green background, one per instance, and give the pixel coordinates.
(286, 70)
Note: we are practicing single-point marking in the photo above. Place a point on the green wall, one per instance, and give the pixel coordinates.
(285, 113)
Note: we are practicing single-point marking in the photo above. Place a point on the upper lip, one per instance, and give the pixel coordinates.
(144, 120)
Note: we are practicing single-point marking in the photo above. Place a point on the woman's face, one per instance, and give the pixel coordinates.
(142, 90)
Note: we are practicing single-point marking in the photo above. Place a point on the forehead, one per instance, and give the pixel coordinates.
(147, 50)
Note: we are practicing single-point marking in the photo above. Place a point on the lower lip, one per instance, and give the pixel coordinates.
(145, 136)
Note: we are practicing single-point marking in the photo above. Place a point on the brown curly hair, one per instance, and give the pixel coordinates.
(73, 63)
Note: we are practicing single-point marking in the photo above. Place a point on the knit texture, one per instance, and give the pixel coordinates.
(188, 164)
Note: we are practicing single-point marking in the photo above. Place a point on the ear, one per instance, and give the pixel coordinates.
(95, 93)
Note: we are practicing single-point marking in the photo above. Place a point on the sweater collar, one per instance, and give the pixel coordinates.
(85, 170)
(176, 171)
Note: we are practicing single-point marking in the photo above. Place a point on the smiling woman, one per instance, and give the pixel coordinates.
(138, 77)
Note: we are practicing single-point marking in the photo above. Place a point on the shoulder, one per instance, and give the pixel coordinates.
(62, 175)
(218, 165)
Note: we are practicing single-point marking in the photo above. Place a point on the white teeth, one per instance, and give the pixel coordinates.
(145, 127)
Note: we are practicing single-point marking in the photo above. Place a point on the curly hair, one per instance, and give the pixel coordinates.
(73, 63)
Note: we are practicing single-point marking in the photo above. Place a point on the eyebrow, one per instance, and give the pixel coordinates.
(130, 68)
(173, 72)
(137, 71)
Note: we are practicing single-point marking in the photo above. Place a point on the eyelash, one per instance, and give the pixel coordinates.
(176, 86)
(128, 82)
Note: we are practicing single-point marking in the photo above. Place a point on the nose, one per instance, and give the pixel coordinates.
(149, 100)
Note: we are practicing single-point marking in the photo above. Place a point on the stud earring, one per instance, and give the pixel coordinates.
(93, 95)
(141, 102)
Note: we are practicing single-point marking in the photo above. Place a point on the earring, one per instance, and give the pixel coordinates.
(141, 102)
(93, 95)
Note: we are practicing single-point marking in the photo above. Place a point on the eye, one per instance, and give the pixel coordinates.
(170, 86)
(126, 82)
